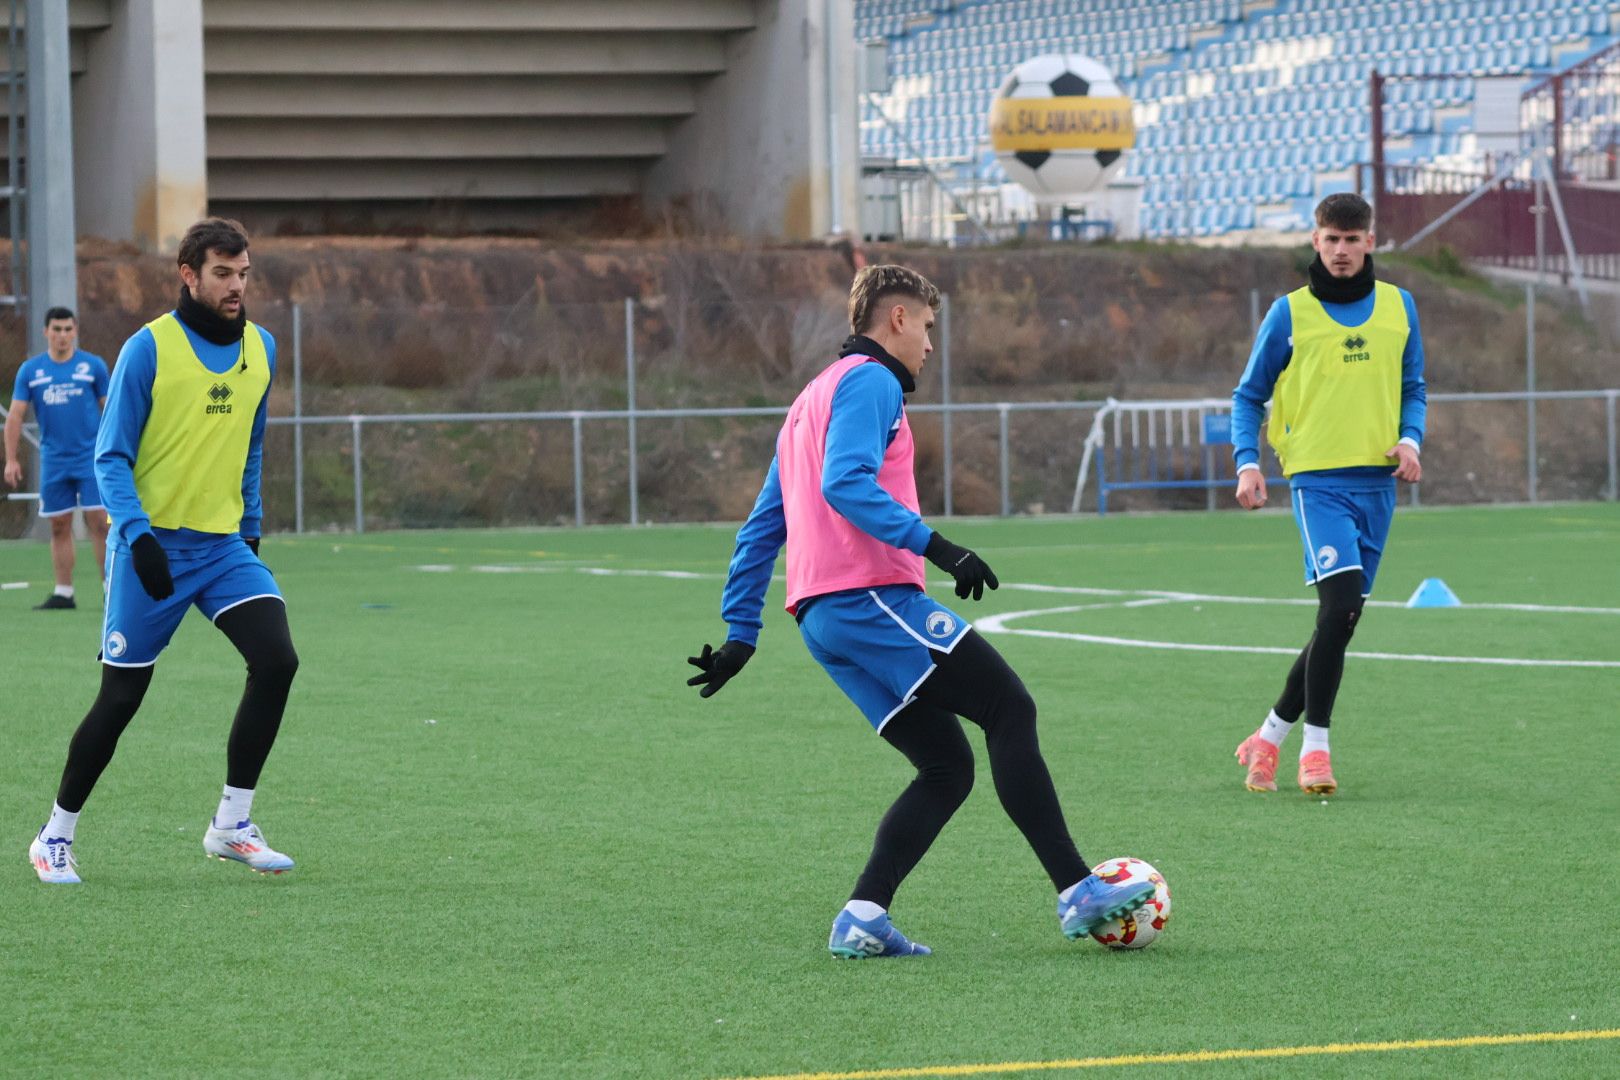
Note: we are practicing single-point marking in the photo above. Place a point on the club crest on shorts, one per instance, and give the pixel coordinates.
(116, 645)
(940, 624)
(1327, 556)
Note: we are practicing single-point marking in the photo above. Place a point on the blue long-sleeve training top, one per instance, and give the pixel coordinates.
(1274, 348)
(129, 404)
(865, 417)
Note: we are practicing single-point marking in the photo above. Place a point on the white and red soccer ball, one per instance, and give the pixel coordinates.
(1138, 929)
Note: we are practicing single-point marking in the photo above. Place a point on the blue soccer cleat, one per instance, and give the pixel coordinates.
(1094, 902)
(857, 939)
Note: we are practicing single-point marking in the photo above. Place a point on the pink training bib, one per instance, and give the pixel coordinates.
(825, 552)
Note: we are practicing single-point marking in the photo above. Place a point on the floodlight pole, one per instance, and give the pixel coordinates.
(945, 396)
(835, 202)
(1539, 209)
(52, 269)
(1558, 125)
(1532, 470)
(630, 402)
(1376, 104)
(1550, 182)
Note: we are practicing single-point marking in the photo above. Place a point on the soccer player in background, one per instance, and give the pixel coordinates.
(841, 494)
(68, 389)
(178, 462)
(1342, 362)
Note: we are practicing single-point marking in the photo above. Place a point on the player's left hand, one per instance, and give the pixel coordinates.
(972, 574)
(1408, 467)
(717, 666)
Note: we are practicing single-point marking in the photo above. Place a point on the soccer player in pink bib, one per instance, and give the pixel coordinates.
(841, 494)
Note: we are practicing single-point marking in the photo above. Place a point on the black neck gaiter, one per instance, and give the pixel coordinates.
(209, 324)
(865, 346)
(1335, 290)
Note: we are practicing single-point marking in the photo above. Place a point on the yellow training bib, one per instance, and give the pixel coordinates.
(1338, 402)
(193, 452)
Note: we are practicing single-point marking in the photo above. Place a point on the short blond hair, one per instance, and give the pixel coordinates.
(875, 284)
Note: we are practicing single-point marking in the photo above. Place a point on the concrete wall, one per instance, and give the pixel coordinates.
(757, 153)
(353, 114)
(141, 160)
(329, 114)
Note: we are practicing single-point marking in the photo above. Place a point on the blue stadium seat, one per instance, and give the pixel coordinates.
(1247, 137)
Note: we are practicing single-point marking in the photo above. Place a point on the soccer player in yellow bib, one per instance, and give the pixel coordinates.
(178, 464)
(1341, 361)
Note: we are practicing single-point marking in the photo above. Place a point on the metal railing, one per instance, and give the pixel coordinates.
(1167, 445)
(577, 419)
(1003, 411)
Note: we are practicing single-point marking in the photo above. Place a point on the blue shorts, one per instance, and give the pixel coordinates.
(63, 492)
(1343, 529)
(880, 644)
(215, 577)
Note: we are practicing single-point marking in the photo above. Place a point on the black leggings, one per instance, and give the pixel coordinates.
(1313, 681)
(259, 631)
(972, 681)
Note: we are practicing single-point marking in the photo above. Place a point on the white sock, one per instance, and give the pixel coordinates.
(61, 825)
(1275, 729)
(1316, 738)
(235, 807)
(65, 590)
(863, 910)
(1066, 893)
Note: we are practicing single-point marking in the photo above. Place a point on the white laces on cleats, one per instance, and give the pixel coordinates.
(54, 860)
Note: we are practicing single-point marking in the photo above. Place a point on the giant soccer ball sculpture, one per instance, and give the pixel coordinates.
(1060, 126)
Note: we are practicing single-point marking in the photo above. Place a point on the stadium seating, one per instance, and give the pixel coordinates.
(1247, 113)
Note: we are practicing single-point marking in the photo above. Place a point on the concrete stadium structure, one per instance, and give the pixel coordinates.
(328, 114)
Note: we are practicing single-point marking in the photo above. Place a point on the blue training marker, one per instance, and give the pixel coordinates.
(1434, 593)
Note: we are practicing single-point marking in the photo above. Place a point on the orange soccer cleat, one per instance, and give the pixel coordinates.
(1261, 758)
(1316, 774)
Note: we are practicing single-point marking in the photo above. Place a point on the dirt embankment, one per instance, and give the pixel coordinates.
(450, 325)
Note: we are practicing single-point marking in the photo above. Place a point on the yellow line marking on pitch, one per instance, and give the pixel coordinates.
(1195, 1056)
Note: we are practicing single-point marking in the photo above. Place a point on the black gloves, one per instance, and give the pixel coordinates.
(152, 567)
(972, 573)
(718, 666)
(253, 544)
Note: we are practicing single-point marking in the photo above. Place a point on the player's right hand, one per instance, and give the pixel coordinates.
(13, 472)
(152, 567)
(1251, 489)
(717, 666)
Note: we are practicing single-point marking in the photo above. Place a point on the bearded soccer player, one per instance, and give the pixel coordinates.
(1342, 362)
(178, 463)
(842, 496)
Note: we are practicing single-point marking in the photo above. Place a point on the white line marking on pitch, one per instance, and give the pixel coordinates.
(997, 624)
(1207, 598)
(1144, 598)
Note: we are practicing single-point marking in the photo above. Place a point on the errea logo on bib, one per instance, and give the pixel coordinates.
(940, 624)
(219, 396)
